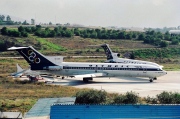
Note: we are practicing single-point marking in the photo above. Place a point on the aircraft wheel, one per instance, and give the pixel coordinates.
(63, 77)
(151, 80)
(85, 80)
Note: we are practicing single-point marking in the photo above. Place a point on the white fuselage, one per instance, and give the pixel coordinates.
(131, 61)
(106, 69)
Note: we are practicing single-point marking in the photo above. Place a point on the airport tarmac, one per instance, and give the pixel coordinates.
(142, 86)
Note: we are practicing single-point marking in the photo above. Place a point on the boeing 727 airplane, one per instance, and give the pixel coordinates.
(114, 58)
(87, 70)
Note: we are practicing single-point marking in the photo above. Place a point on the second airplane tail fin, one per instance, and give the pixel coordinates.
(107, 51)
(110, 55)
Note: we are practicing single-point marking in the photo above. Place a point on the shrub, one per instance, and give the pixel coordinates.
(150, 100)
(165, 97)
(175, 42)
(90, 97)
(176, 98)
(4, 31)
(131, 98)
(119, 99)
(163, 44)
(24, 34)
(128, 98)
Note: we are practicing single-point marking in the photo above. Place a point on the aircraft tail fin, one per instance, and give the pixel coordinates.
(36, 60)
(107, 51)
(111, 56)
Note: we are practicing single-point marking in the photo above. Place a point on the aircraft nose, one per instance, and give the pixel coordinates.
(165, 72)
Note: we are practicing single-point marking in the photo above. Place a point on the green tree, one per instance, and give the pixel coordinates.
(47, 29)
(33, 29)
(50, 23)
(25, 23)
(150, 32)
(122, 35)
(93, 34)
(175, 42)
(21, 29)
(56, 29)
(64, 28)
(52, 33)
(134, 35)
(2, 46)
(68, 33)
(38, 33)
(14, 33)
(28, 29)
(38, 27)
(129, 36)
(44, 33)
(147, 39)
(113, 35)
(167, 36)
(159, 35)
(4, 31)
(141, 36)
(163, 44)
(2, 17)
(157, 42)
(8, 18)
(77, 32)
(24, 34)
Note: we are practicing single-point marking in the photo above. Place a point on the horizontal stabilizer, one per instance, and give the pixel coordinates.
(16, 48)
(19, 68)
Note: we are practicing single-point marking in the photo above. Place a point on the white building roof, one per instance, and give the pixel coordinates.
(174, 31)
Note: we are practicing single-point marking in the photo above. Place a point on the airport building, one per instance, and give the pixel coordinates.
(174, 32)
(64, 108)
(59, 111)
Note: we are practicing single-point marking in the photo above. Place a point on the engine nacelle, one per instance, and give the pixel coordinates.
(116, 55)
(54, 68)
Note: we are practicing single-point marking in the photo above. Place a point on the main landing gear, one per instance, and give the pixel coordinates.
(86, 80)
(152, 79)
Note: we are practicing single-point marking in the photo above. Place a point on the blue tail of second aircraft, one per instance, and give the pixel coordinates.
(36, 60)
(107, 51)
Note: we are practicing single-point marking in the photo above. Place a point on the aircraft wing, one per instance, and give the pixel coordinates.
(90, 75)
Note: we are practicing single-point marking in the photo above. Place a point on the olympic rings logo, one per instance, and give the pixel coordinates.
(32, 57)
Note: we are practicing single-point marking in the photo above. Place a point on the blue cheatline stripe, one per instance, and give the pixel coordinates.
(111, 68)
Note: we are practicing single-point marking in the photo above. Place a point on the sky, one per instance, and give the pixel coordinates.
(104, 13)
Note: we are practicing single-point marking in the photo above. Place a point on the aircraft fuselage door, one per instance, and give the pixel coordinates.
(67, 68)
(96, 68)
(144, 69)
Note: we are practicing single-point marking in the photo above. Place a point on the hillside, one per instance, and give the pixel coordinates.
(78, 46)
(75, 45)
